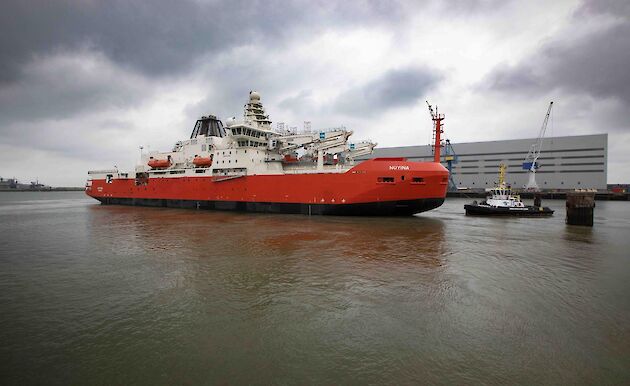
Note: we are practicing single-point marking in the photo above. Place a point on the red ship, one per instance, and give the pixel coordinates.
(247, 166)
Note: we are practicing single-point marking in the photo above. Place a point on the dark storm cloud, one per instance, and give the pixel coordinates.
(611, 7)
(395, 88)
(596, 64)
(164, 37)
(62, 86)
(153, 40)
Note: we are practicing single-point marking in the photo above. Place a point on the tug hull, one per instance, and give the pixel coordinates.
(528, 211)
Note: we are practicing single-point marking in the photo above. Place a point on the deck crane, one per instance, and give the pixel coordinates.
(319, 144)
(451, 158)
(531, 160)
(358, 149)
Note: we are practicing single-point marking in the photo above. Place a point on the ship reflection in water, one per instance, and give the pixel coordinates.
(205, 233)
(118, 295)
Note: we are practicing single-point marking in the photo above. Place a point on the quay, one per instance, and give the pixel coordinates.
(553, 195)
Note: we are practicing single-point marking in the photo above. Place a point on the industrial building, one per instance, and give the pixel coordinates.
(13, 184)
(569, 162)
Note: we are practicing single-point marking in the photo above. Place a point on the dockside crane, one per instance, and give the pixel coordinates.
(451, 158)
(531, 160)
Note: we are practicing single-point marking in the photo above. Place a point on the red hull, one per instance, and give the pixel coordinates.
(379, 186)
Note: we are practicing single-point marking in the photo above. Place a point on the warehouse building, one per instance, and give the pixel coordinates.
(565, 162)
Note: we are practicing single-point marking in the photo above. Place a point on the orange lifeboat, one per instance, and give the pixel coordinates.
(290, 158)
(159, 163)
(202, 162)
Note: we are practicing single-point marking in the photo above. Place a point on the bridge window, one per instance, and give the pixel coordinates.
(385, 180)
(417, 180)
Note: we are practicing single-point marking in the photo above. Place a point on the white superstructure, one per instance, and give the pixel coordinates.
(501, 196)
(249, 146)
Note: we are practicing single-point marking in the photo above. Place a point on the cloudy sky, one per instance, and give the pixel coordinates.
(83, 83)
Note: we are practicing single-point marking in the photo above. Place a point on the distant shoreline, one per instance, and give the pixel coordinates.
(59, 189)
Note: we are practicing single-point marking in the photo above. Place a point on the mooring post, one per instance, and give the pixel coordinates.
(580, 207)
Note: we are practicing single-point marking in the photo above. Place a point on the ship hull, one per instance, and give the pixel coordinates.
(385, 208)
(379, 187)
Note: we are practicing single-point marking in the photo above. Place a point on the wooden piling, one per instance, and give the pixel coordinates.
(580, 208)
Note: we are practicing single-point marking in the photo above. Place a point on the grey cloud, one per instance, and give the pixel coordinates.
(158, 38)
(165, 37)
(468, 7)
(595, 65)
(154, 40)
(61, 86)
(229, 92)
(610, 7)
(395, 88)
(89, 139)
(297, 102)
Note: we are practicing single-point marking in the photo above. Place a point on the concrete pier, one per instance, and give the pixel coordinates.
(580, 208)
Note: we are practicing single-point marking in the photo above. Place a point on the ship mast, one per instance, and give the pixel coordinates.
(437, 131)
(502, 168)
(255, 112)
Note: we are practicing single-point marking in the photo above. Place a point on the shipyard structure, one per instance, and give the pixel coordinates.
(565, 163)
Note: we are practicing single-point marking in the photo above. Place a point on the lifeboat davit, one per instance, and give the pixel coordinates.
(202, 162)
(159, 163)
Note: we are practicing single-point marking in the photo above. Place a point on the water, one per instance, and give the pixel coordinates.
(94, 294)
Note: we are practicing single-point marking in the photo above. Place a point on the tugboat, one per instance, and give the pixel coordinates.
(502, 202)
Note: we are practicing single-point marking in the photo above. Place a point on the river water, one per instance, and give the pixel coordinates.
(93, 294)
